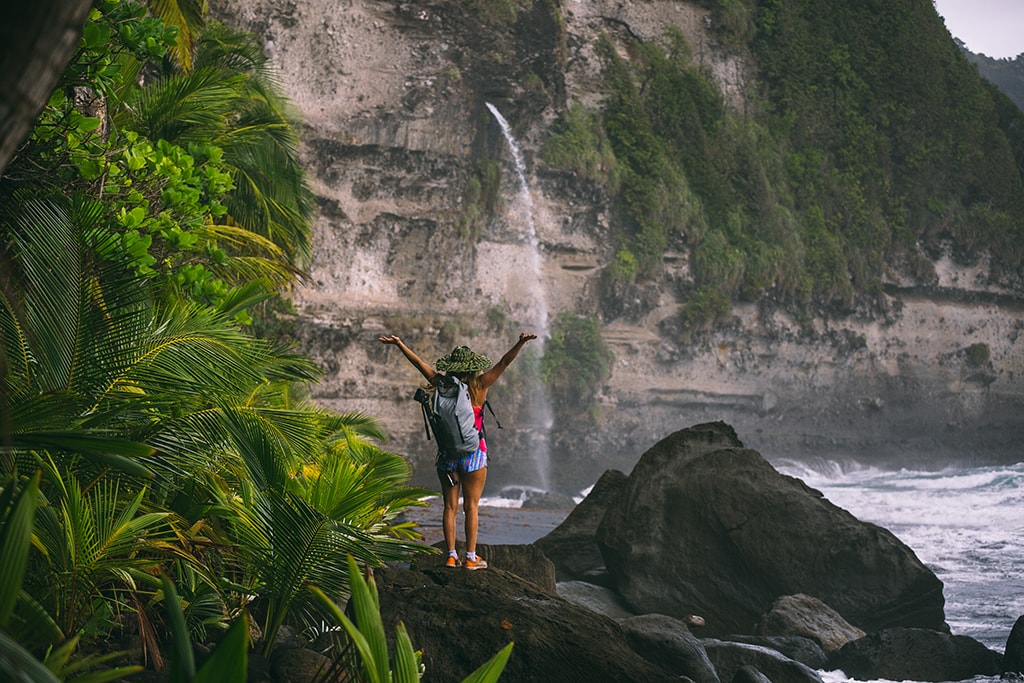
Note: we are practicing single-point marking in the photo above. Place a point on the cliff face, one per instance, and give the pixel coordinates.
(393, 96)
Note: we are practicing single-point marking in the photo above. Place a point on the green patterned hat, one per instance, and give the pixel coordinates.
(462, 359)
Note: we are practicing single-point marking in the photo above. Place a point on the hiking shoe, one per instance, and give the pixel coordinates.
(452, 562)
(478, 563)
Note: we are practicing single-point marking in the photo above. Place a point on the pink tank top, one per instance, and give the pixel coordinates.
(478, 422)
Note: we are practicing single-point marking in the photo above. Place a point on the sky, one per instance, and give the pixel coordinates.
(994, 28)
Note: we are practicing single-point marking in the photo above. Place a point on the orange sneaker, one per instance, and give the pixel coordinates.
(452, 561)
(478, 563)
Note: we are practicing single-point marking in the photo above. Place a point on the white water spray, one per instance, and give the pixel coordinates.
(540, 405)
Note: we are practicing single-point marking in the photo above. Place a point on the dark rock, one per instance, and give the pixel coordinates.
(549, 500)
(804, 650)
(804, 615)
(667, 642)
(748, 674)
(1013, 659)
(460, 619)
(595, 598)
(705, 526)
(297, 665)
(729, 658)
(915, 654)
(525, 561)
(572, 545)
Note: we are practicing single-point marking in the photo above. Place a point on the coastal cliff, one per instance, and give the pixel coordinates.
(424, 230)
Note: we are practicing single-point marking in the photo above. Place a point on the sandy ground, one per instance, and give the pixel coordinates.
(498, 525)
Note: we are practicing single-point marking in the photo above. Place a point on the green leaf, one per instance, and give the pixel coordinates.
(491, 670)
(229, 661)
(183, 663)
(407, 662)
(18, 664)
(117, 453)
(15, 539)
(89, 123)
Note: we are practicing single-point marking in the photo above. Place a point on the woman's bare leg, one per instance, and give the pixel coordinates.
(472, 489)
(450, 495)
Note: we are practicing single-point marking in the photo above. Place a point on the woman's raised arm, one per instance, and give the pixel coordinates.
(488, 378)
(417, 362)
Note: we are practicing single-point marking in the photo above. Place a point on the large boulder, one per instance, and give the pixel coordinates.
(705, 526)
(804, 615)
(572, 545)
(460, 619)
(1013, 659)
(915, 654)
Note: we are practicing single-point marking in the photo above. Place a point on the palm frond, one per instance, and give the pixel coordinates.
(240, 269)
(47, 253)
(188, 16)
(183, 108)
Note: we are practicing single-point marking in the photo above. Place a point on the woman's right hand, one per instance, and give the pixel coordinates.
(389, 339)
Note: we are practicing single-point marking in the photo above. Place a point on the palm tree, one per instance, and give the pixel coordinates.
(229, 98)
(198, 418)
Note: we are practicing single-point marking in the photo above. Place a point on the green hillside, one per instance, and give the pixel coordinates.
(1005, 74)
(869, 142)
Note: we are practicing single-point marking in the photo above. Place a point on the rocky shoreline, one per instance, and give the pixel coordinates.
(703, 563)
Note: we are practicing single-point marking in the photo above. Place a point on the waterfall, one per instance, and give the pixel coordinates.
(540, 405)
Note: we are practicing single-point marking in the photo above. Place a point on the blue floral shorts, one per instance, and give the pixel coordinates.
(465, 463)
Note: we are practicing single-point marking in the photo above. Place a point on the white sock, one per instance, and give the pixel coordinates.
(453, 553)
(471, 557)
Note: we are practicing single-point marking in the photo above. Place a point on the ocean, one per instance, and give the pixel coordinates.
(966, 525)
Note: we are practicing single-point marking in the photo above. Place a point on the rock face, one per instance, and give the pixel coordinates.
(914, 654)
(460, 619)
(705, 526)
(393, 95)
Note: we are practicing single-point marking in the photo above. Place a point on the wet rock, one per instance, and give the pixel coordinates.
(804, 615)
(804, 650)
(915, 654)
(1013, 659)
(748, 674)
(729, 658)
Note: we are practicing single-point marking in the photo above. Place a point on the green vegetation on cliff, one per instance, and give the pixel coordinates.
(868, 139)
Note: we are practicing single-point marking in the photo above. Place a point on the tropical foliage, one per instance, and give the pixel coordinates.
(162, 470)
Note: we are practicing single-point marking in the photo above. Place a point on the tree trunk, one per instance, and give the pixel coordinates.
(37, 38)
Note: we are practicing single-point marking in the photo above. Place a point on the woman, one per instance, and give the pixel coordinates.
(466, 473)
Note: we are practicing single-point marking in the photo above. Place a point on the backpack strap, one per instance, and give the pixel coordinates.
(487, 404)
(426, 419)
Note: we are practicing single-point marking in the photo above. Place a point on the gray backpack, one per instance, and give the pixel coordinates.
(448, 413)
